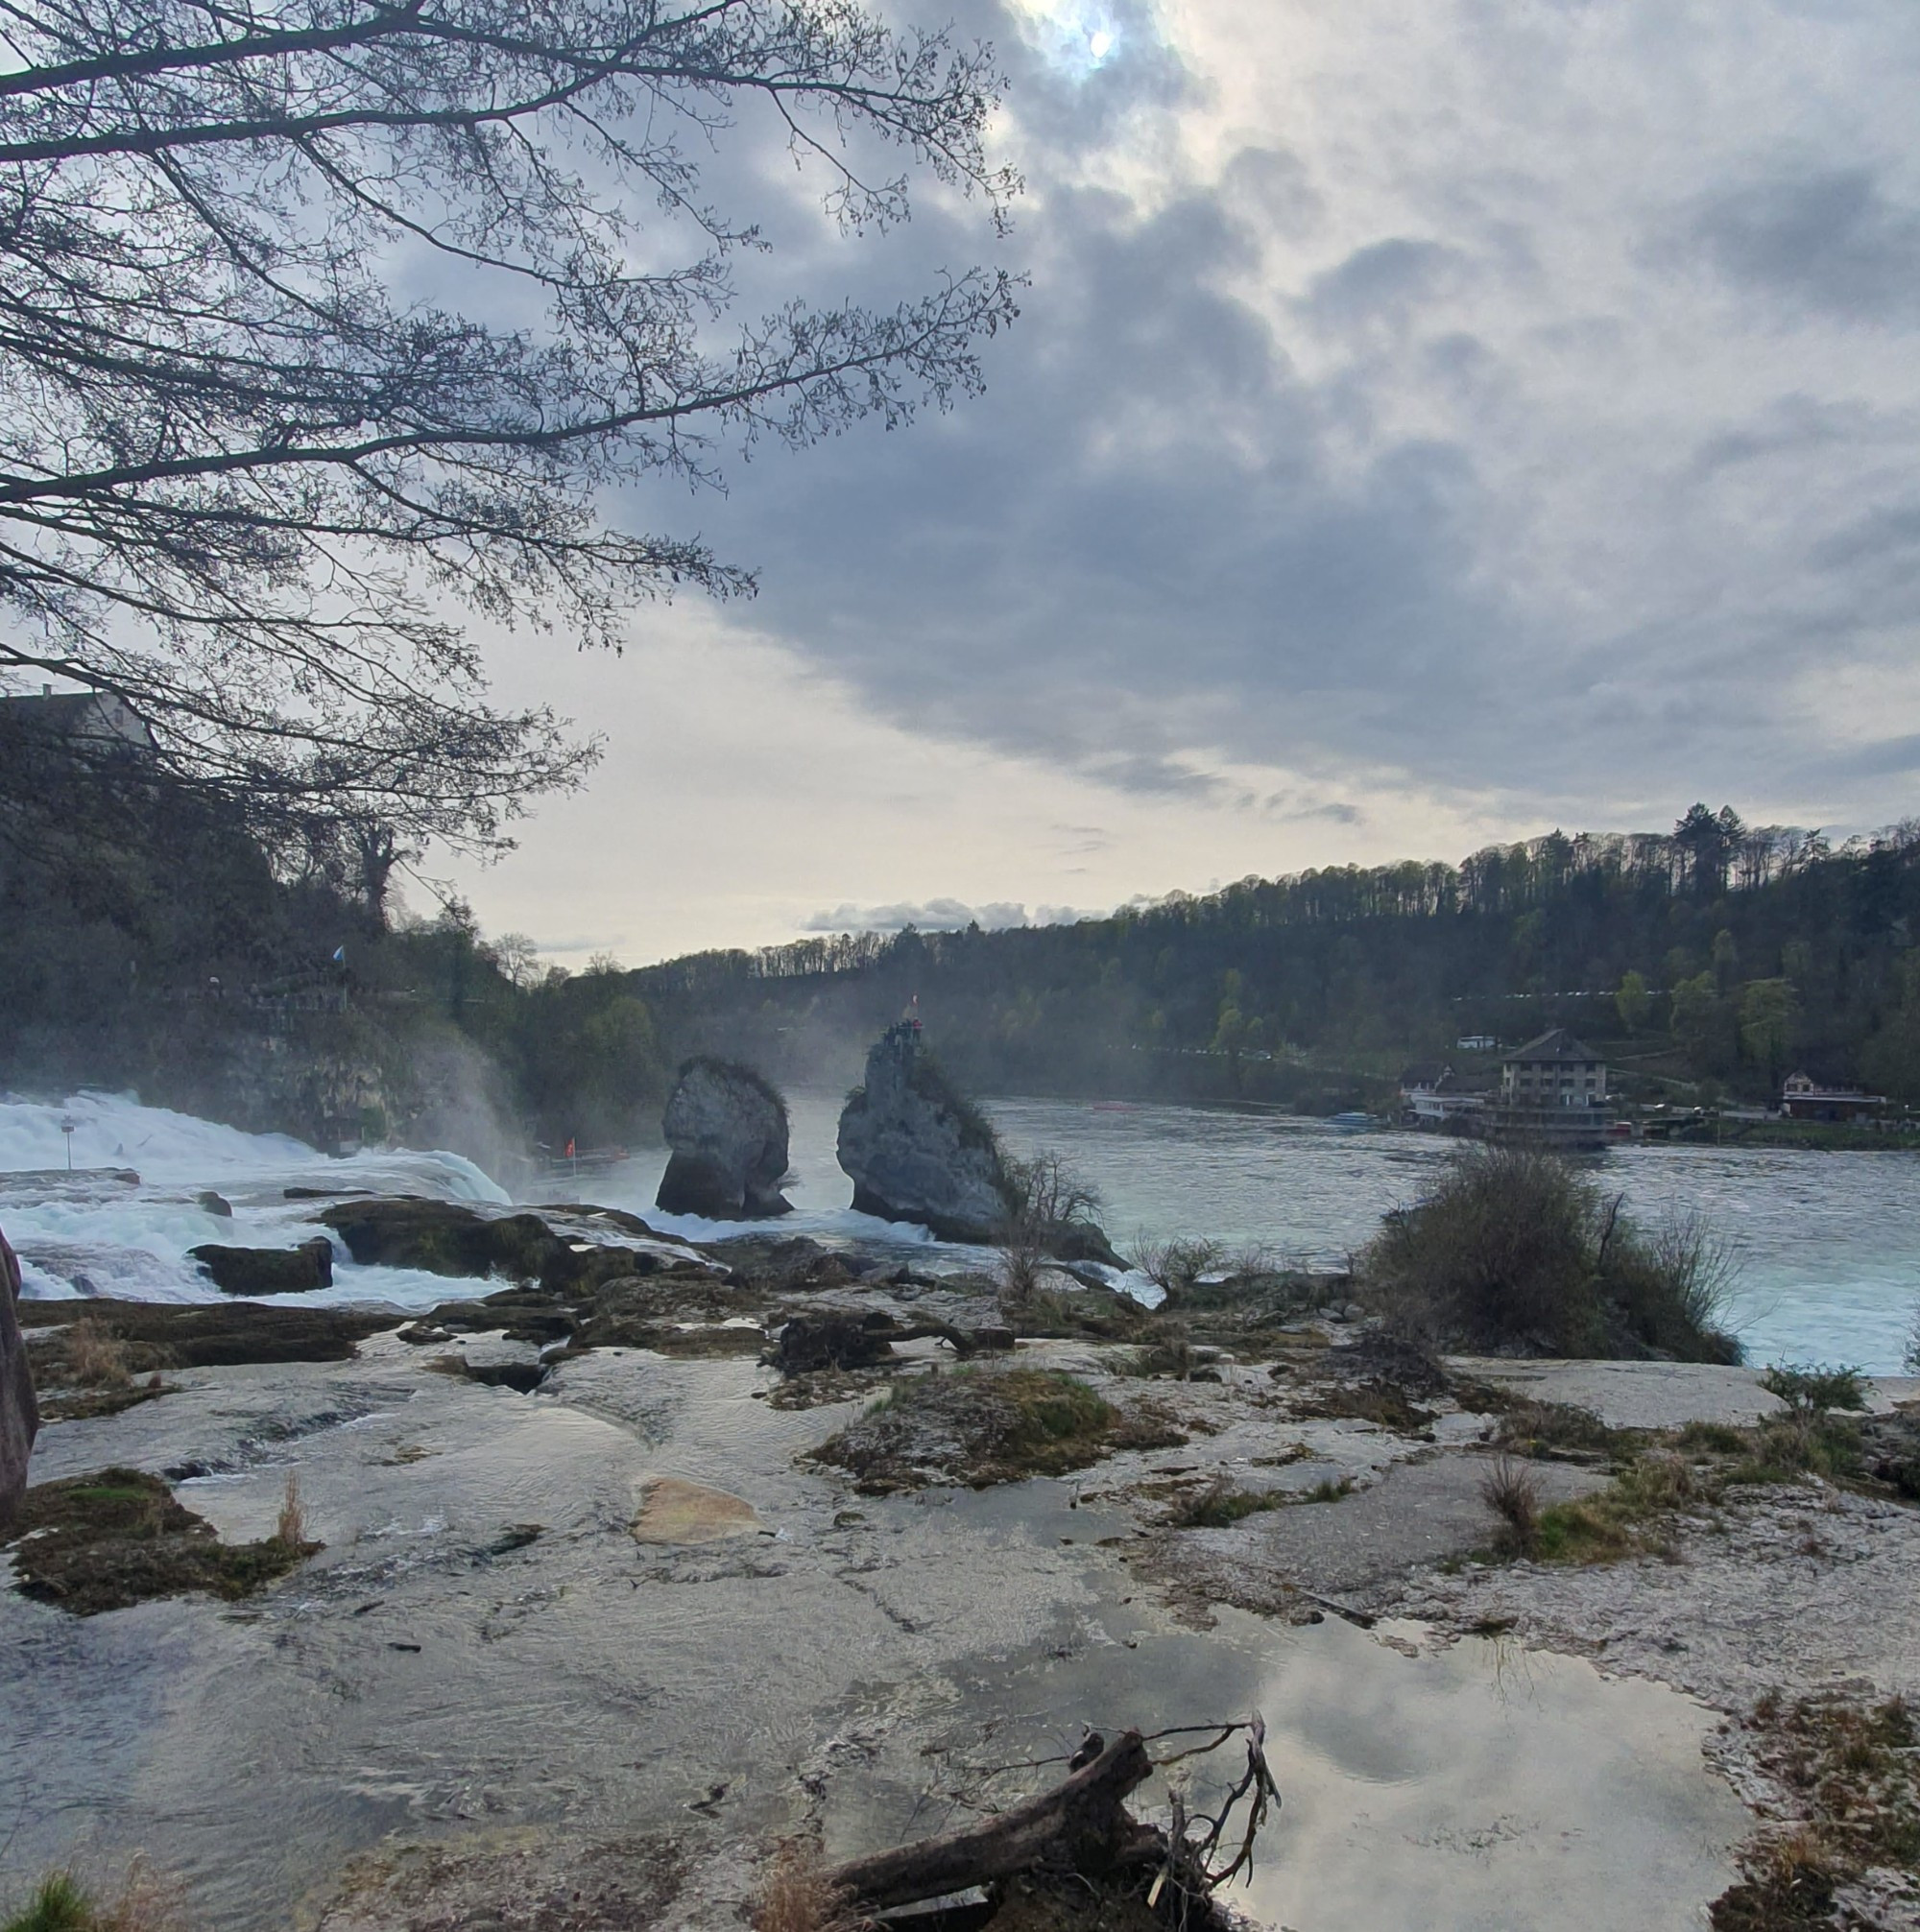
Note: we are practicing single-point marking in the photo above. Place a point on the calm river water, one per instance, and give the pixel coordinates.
(1827, 1244)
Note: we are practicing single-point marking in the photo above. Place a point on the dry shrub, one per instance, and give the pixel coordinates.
(1044, 1201)
(1513, 1249)
(1174, 1266)
(150, 1901)
(94, 1358)
(290, 1526)
(797, 1897)
(1511, 1490)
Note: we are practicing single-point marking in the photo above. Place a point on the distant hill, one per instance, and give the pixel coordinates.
(1718, 953)
(153, 941)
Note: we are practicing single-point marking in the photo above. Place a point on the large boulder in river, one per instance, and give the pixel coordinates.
(268, 1271)
(19, 1411)
(917, 1150)
(726, 1127)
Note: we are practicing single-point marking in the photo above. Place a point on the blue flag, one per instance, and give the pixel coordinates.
(340, 956)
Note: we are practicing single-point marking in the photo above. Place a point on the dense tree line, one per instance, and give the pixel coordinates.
(153, 941)
(1717, 953)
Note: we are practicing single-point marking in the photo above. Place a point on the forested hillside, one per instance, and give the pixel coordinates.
(154, 942)
(1718, 955)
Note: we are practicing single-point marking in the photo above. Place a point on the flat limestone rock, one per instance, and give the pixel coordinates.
(1634, 1394)
(678, 1512)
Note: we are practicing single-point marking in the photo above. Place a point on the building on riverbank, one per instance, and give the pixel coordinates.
(1804, 1098)
(1439, 1100)
(1552, 1095)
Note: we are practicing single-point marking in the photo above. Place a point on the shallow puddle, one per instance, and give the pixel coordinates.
(1482, 1786)
(1474, 1788)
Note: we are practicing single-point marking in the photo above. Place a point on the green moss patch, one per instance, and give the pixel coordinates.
(987, 1426)
(116, 1537)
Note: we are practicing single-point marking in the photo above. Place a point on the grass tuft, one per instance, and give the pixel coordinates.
(797, 1897)
(146, 1902)
(1222, 1504)
(94, 1358)
(59, 1903)
(290, 1526)
(1511, 1490)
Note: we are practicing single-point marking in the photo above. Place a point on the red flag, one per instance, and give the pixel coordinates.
(569, 1147)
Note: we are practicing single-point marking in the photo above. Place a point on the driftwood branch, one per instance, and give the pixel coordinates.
(1081, 1825)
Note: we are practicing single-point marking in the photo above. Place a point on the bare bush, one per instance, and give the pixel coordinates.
(1044, 1197)
(1174, 1265)
(1511, 1490)
(290, 1527)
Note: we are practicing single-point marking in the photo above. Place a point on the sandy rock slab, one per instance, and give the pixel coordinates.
(543, 1885)
(678, 1511)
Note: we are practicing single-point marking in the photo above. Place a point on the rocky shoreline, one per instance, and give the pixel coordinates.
(746, 1538)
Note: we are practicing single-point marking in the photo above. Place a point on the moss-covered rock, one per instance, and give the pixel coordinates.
(116, 1537)
(989, 1427)
(268, 1271)
(448, 1237)
(159, 1335)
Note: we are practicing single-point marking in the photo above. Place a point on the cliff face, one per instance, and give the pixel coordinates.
(728, 1131)
(916, 1150)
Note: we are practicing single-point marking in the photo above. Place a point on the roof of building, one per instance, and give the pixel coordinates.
(1555, 1043)
(76, 714)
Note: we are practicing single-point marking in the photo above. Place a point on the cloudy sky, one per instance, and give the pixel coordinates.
(1426, 425)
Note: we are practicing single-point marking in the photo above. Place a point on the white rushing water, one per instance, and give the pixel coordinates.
(1827, 1244)
(96, 1235)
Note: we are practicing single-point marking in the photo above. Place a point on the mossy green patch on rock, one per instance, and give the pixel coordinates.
(114, 1538)
(986, 1426)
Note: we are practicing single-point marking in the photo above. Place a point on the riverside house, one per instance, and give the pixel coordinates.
(1552, 1093)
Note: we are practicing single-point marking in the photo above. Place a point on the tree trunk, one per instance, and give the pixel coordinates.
(1081, 1825)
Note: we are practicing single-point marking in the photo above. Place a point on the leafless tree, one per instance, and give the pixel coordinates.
(1044, 1198)
(325, 323)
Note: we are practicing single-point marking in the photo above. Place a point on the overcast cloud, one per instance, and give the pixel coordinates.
(1462, 414)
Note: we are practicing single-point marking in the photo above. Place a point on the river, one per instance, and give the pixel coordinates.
(1827, 1243)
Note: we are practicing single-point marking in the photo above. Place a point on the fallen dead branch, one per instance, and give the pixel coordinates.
(1081, 1828)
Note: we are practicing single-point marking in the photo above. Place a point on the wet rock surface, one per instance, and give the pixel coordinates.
(879, 1563)
(726, 1127)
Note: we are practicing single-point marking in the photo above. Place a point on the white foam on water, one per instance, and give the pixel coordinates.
(96, 1235)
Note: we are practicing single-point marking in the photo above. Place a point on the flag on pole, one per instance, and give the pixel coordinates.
(340, 956)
